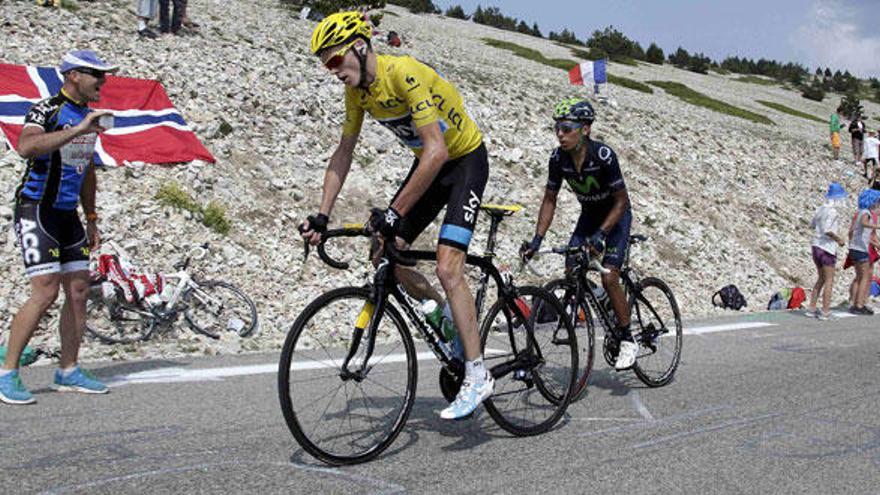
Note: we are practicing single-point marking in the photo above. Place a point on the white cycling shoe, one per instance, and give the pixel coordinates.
(627, 355)
(469, 397)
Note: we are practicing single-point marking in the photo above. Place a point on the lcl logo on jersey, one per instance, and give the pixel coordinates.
(470, 209)
(30, 243)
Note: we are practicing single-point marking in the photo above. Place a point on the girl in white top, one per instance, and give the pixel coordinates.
(826, 224)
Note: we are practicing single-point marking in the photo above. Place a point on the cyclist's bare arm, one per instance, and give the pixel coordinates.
(337, 171)
(434, 155)
(547, 211)
(334, 178)
(621, 203)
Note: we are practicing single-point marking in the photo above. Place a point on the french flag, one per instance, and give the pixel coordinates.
(147, 128)
(588, 73)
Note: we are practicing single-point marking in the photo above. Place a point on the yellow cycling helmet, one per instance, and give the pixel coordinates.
(336, 29)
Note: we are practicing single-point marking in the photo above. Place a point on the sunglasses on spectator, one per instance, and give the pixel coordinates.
(97, 74)
(567, 127)
(338, 56)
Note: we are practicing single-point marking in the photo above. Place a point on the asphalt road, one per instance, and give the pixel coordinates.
(789, 407)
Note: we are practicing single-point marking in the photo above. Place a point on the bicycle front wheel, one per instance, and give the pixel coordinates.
(336, 416)
(214, 307)
(657, 329)
(532, 354)
(117, 322)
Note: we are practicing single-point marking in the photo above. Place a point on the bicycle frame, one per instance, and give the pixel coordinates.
(628, 281)
(385, 284)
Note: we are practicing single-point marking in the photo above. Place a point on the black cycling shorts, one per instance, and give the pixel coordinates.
(51, 240)
(459, 186)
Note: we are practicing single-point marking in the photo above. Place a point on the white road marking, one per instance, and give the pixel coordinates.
(640, 406)
(605, 419)
(842, 314)
(727, 327)
(178, 374)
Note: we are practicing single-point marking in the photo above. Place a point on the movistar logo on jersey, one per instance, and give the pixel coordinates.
(586, 186)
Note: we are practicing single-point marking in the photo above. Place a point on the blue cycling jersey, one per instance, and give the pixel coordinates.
(55, 178)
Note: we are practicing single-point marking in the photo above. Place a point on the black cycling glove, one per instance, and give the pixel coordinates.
(385, 222)
(317, 223)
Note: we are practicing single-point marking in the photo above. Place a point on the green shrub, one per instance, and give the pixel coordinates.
(814, 91)
(528, 53)
(456, 12)
(417, 6)
(170, 194)
(629, 83)
(213, 215)
(790, 111)
(215, 218)
(687, 94)
(654, 54)
(850, 106)
(615, 44)
(756, 80)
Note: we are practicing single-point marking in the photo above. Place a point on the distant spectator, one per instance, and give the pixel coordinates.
(49, 3)
(857, 131)
(146, 10)
(393, 39)
(835, 127)
(826, 225)
(871, 158)
(863, 226)
(185, 20)
(170, 18)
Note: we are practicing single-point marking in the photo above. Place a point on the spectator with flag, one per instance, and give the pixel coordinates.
(58, 142)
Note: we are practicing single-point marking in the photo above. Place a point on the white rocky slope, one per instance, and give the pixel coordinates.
(723, 199)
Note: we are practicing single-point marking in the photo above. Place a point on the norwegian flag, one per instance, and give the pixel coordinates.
(147, 128)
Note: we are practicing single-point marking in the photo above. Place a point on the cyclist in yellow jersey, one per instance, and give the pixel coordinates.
(426, 114)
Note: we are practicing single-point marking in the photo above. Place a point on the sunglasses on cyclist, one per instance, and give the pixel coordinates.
(97, 74)
(338, 56)
(567, 127)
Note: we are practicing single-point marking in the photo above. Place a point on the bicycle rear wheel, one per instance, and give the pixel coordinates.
(582, 320)
(215, 307)
(656, 327)
(533, 384)
(117, 322)
(335, 417)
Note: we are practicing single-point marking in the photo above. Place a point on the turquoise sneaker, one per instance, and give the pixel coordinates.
(469, 397)
(12, 391)
(79, 381)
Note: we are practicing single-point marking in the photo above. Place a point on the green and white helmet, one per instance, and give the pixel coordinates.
(574, 109)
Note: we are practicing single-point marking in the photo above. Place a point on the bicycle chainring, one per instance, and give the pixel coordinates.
(450, 384)
(610, 348)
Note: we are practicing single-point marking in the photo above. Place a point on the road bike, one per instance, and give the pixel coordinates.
(655, 317)
(348, 369)
(210, 307)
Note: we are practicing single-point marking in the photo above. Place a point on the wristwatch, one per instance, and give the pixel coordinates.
(91, 216)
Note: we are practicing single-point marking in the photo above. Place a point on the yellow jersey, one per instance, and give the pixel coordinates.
(408, 94)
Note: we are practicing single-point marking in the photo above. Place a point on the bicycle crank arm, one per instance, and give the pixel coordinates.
(521, 362)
